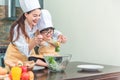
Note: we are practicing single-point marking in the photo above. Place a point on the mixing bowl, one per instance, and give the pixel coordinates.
(57, 63)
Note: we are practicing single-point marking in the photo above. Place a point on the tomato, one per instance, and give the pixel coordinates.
(24, 69)
(25, 76)
(10, 76)
(31, 74)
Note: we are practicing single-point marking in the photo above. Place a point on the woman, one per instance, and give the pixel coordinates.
(22, 34)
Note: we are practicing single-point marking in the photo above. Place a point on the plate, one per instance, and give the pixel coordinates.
(89, 67)
(38, 68)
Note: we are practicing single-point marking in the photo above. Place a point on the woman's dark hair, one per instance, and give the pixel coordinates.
(21, 25)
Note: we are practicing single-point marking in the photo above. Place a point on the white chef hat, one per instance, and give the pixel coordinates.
(28, 5)
(45, 20)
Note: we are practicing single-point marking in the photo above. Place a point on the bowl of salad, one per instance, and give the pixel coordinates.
(57, 63)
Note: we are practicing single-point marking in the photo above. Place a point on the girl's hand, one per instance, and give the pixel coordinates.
(62, 39)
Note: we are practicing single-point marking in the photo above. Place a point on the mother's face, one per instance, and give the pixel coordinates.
(33, 17)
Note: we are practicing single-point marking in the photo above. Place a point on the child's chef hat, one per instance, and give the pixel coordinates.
(28, 5)
(45, 20)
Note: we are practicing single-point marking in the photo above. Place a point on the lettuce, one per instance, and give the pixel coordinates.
(52, 64)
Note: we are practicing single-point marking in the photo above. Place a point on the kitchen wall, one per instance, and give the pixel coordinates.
(5, 23)
(92, 28)
(2, 2)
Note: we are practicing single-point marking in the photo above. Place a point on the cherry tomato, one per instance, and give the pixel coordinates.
(24, 69)
(25, 76)
(10, 76)
(31, 74)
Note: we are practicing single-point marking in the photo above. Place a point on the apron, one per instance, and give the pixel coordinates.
(14, 55)
(45, 50)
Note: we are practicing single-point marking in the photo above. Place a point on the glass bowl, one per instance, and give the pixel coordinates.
(57, 63)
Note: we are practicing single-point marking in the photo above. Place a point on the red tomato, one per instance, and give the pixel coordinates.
(25, 76)
(31, 75)
(10, 76)
(24, 69)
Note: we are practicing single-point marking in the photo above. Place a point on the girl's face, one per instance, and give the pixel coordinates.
(33, 17)
(47, 34)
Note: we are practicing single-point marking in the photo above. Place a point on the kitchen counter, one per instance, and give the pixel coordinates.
(73, 73)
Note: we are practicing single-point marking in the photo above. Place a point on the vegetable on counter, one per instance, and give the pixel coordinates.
(21, 71)
(16, 73)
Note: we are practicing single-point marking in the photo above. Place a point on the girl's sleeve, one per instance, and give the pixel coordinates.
(56, 34)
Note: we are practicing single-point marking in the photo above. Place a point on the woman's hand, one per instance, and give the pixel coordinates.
(62, 38)
(38, 39)
(10, 63)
